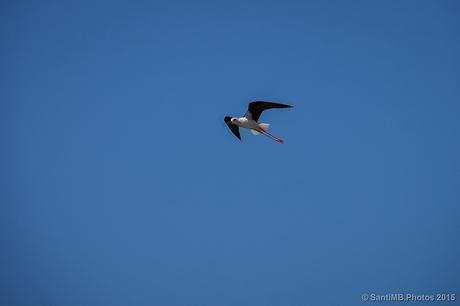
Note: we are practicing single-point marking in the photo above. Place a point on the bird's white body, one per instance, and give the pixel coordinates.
(246, 123)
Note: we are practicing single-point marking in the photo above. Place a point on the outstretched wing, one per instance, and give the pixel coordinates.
(257, 107)
(235, 129)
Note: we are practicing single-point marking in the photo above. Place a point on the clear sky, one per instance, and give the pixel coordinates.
(121, 184)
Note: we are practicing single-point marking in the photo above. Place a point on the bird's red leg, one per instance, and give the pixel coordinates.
(271, 136)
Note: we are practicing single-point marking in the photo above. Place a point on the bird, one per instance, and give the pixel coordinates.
(249, 120)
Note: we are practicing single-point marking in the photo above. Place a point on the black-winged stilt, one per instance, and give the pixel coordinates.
(249, 120)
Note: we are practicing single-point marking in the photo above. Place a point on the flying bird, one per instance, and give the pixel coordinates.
(249, 120)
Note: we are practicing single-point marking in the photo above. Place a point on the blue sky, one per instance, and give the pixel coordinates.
(121, 185)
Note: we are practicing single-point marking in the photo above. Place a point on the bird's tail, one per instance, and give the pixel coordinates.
(263, 127)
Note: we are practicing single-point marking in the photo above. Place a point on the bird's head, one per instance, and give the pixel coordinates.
(230, 120)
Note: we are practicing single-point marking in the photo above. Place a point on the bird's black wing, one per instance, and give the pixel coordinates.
(234, 128)
(257, 107)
